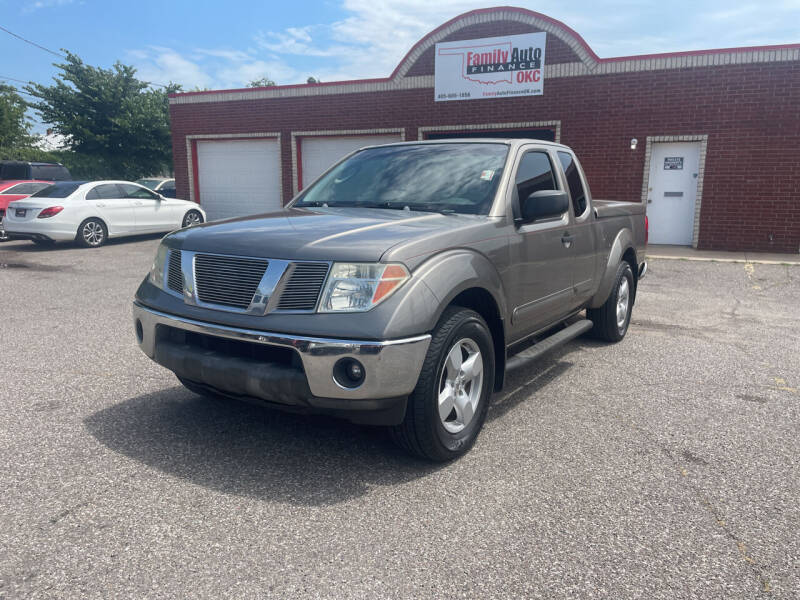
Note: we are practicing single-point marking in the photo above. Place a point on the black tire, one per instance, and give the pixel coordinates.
(92, 233)
(192, 217)
(422, 431)
(606, 326)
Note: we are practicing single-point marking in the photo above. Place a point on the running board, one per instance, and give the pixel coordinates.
(558, 338)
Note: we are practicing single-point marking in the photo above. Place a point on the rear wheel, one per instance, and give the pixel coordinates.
(193, 217)
(448, 406)
(92, 233)
(612, 319)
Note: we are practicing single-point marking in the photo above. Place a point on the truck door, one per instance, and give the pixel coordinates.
(540, 275)
(582, 230)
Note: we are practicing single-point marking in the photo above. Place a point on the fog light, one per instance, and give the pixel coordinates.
(139, 331)
(349, 373)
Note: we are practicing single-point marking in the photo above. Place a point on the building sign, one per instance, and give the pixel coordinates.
(498, 67)
(673, 163)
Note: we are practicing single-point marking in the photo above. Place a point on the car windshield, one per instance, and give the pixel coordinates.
(59, 190)
(149, 183)
(457, 177)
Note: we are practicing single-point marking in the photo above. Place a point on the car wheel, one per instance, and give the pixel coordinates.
(92, 233)
(193, 217)
(447, 408)
(612, 319)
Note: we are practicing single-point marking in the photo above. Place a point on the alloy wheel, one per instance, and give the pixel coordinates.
(623, 302)
(93, 233)
(460, 385)
(192, 218)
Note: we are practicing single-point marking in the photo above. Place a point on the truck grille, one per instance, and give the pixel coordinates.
(227, 280)
(303, 288)
(174, 273)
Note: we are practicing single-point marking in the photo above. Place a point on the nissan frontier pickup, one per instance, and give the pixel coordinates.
(393, 289)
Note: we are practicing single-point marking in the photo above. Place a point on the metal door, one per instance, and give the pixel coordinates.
(672, 192)
(539, 279)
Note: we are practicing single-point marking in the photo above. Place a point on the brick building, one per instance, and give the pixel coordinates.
(710, 139)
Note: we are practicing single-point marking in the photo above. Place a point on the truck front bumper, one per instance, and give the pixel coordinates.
(281, 368)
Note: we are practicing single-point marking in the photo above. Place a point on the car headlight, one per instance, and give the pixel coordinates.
(157, 270)
(358, 287)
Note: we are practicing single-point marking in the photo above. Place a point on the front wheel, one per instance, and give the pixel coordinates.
(612, 319)
(448, 406)
(193, 217)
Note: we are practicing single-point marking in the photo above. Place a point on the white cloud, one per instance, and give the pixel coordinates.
(163, 65)
(38, 4)
(207, 68)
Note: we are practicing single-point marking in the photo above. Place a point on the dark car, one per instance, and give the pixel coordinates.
(23, 170)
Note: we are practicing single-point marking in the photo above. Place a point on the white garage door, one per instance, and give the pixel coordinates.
(239, 177)
(319, 153)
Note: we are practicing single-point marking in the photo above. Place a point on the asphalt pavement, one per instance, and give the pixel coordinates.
(665, 466)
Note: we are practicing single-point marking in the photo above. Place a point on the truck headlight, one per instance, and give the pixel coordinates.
(157, 270)
(358, 287)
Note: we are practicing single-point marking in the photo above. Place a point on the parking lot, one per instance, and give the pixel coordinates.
(665, 466)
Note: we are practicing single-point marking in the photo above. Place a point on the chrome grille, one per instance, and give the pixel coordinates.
(303, 288)
(174, 273)
(227, 280)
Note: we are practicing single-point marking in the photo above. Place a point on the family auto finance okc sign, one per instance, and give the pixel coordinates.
(497, 67)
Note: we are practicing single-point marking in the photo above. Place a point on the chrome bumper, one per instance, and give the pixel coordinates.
(391, 367)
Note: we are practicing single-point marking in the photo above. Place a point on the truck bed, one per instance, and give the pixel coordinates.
(615, 208)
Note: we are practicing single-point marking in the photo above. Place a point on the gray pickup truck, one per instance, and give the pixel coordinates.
(393, 289)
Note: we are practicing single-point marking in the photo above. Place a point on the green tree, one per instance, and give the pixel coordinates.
(14, 125)
(261, 82)
(313, 80)
(114, 123)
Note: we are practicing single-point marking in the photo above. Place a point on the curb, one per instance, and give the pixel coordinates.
(793, 263)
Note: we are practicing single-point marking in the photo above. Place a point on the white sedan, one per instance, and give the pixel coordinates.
(92, 212)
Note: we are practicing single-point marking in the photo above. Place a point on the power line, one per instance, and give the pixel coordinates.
(27, 41)
(14, 79)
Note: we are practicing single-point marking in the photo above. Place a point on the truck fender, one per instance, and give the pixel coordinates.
(452, 272)
(621, 244)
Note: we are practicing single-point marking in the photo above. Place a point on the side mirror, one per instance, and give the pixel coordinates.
(544, 204)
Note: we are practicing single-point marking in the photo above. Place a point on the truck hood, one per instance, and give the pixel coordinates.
(343, 234)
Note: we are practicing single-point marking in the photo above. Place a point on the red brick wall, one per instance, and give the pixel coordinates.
(751, 113)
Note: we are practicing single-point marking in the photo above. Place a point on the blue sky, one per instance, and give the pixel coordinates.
(226, 44)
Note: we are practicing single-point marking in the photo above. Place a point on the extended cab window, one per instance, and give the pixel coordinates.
(574, 182)
(534, 173)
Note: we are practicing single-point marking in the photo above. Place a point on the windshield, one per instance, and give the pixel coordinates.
(455, 177)
(149, 183)
(59, 190)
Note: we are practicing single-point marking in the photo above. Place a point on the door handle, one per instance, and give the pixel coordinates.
(100, 204)
(566, 239)
(137, 203)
